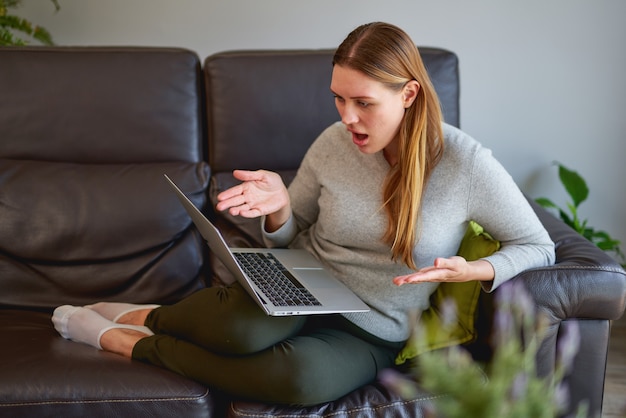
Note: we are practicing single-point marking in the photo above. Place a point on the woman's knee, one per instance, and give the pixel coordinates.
(312, 379)
(224, 320)
(254, 334)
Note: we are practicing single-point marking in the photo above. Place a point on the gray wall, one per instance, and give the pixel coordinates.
(542, 80)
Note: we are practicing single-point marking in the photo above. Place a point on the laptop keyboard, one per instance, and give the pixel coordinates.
(278, 284)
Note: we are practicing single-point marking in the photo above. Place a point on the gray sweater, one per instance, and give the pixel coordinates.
(336, 199)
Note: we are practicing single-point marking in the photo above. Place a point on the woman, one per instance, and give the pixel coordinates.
(378, 197)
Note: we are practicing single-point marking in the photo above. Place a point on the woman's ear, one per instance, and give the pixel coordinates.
(409, 92)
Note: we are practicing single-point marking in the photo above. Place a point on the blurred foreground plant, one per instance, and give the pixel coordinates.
(508, 386)
(10, 25)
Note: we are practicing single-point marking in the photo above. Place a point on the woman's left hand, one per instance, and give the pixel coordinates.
(453, 269)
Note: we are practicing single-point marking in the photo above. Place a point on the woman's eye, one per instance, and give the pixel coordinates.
(338, 99)
(363, 104)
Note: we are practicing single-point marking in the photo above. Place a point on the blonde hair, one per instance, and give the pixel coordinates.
(387, 54)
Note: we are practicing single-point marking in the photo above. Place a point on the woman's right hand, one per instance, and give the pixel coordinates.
(259, 193)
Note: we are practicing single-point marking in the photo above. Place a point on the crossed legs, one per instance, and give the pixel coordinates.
(219, 337)
(223, 320)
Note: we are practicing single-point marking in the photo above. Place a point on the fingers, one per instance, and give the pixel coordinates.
(423, 276)
(229, 199)
(244, 176)
(246, 213)
(442, 270)
(234, 196)
(445, 263)
(247, 175)
(260, 193)
(239, 206)
(230, 193)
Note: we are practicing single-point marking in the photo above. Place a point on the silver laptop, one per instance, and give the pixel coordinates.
(281, 281)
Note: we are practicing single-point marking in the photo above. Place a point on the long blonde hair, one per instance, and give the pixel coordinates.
(387, 54)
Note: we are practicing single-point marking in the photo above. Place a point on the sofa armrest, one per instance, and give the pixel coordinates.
(585, 287)
(577, 291)
(585, 282)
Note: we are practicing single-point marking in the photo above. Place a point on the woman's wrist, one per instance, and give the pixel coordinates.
(275, 220)
(481, 270)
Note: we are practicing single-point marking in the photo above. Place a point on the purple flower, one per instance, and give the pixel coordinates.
(504, 326)
(398, 383)
(515, 314)
(520, 386)
(523, 301)
(568, 345)
(513, 295)
(448, 312)
(505, 294)
(561, 396)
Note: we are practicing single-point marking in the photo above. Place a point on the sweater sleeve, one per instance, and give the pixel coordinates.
(282, 236)
(304, 193)
(496, 202)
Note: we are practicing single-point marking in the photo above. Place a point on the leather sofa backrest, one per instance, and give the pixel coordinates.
(87, 134)
(265, 108)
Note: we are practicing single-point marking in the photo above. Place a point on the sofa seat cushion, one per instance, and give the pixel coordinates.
(44, 375)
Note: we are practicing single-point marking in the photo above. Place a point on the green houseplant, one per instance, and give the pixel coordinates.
(13, 28)
(578, 191)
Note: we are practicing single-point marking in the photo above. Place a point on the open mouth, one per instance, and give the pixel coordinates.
(359, 139)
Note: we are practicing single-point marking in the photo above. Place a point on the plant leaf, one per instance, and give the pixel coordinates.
(546, 203)
(574, 184)
(8, 39)
(43, 36)
(569, 221)
(16, 23)
(604, 241)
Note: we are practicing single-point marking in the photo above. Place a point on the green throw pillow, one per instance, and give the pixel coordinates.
(476, 244)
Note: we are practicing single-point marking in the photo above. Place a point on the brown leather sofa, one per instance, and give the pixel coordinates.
(85, 215)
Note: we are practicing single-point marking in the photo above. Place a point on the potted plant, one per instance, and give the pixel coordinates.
(11, 25)
(578, 191)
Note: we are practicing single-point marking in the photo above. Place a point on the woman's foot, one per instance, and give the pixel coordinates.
(87, 326)
(120, 341)
(123, 313)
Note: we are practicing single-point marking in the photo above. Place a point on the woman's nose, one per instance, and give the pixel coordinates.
(348, 115)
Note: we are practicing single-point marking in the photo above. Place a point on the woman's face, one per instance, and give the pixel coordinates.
(371, 111)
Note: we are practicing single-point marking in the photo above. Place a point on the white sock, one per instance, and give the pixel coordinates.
(85, 325)
(115, 310)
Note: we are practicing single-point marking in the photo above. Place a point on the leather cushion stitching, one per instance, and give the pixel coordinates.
(242, 414)
(103, 401)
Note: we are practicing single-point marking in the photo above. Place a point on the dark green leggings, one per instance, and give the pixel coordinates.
(219, 337)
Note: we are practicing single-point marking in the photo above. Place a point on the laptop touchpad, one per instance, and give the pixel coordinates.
(315, 278)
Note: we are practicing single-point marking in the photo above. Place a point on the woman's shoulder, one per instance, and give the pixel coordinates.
(466, 155)
(459, 146)
(458, 140)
